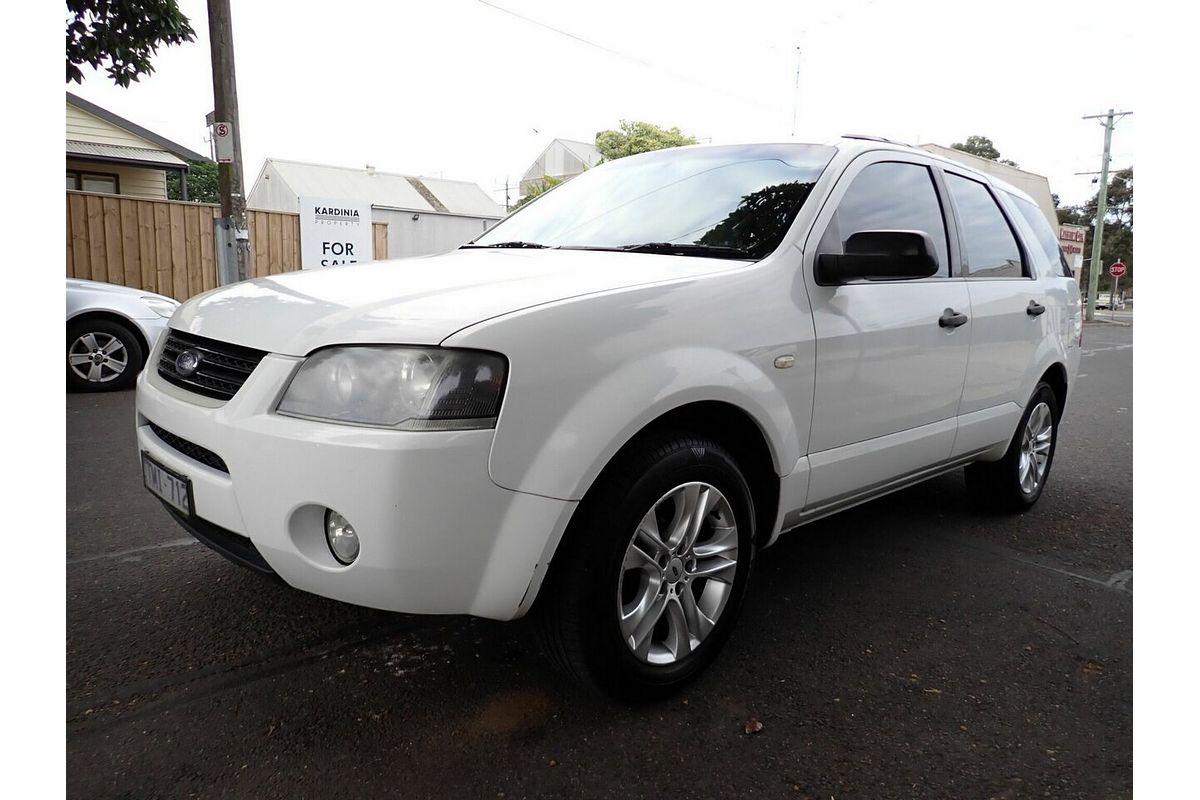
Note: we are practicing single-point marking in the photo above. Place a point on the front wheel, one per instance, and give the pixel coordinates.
(102, 356)
(650, 578)
(1016, 481)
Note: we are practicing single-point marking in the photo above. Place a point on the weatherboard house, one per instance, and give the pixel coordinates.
(109, 154)
(424, 215)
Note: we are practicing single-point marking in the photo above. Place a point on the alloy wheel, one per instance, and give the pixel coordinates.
(98, 357)
(1035, 448)
(678, 572)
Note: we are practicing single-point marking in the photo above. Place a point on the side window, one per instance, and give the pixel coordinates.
(889, 196)
(1046, 238)
(99, 183)
(989, 248)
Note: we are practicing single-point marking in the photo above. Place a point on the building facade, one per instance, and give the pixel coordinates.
(562, 159)
(108, 154)
(424, 216)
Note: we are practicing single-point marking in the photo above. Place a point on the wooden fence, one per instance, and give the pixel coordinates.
(165, 246)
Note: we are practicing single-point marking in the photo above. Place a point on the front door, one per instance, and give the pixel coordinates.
(889, 370)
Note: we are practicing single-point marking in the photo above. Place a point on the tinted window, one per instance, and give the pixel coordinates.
(1046, 238)
(991, 251)
(734, 198)
(889, 196)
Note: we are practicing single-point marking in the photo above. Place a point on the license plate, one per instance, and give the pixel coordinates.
(167, 485)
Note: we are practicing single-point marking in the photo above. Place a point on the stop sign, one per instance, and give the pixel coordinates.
(1117, 269)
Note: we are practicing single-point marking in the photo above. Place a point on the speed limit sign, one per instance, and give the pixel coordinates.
(222, 135)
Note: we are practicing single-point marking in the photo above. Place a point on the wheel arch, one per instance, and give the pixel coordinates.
(730, 426)
(738, 432)
(1056, 376)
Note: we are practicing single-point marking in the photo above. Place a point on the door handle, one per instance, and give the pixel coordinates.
(1035, 309)
(952, 319)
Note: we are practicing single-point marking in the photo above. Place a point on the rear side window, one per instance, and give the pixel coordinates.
(990, 249)
(1046, 238)
(889, 196)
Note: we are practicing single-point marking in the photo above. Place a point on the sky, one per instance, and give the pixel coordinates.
(475, 89)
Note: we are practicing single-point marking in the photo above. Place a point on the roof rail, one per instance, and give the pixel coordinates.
(873, 139)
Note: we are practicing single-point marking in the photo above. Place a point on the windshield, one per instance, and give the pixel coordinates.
(732, 202)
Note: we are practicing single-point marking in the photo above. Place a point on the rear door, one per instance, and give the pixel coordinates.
(888, 374)
(1008, 319)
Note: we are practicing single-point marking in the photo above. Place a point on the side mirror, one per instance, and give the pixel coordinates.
(880, 256)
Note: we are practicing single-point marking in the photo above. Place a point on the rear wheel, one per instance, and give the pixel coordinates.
(1016, 481)
(102, 356)
(651, 576)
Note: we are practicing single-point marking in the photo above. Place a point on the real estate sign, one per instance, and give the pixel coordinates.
(334, 232)
(1072, 239)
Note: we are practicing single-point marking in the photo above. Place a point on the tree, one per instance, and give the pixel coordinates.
(547, 183)
(760, 220)
(1118, 225)
(203, 185)
(123, 34)
(982, 146)
(638, 137)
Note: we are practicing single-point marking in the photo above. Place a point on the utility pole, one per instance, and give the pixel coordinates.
(233, 235)
(1101, 209)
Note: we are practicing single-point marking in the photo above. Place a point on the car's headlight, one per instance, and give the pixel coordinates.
(160, 305)
(409, 388)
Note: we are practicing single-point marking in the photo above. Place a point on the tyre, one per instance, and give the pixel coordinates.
(1016, 481)
(650, 577)
(102, 356)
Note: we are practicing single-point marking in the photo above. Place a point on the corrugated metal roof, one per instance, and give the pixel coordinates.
(462, 197)
(116, 152)
(386, 188)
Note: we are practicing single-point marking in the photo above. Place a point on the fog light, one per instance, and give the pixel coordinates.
(339, 533)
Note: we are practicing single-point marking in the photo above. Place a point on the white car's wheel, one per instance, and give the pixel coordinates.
(1016, 481)
(102, 356)
(650, 578)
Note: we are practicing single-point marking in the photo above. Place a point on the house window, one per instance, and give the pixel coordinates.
(92, 182)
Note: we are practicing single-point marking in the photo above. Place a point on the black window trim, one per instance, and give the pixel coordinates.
(1056, 266)
(1026, 265)
(81, 174)
(871, 158)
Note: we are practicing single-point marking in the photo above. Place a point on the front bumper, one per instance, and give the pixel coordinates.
(437, 536)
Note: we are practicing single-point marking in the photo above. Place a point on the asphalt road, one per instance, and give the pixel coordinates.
(907, 648)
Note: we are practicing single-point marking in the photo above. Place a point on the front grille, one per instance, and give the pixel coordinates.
(223, 367)
(190, 449)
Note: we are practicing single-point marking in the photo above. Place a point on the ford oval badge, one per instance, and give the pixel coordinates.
(187, 362)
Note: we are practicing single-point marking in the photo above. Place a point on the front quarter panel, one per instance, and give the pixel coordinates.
(587, 375)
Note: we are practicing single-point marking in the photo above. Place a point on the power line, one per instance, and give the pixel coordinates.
(628, 57)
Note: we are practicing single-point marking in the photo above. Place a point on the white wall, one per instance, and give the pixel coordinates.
(430, 233)
(271, 193)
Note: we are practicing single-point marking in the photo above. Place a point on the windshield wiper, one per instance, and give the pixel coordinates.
(533, 245)
(684, 249)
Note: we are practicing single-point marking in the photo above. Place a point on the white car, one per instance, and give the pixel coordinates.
(110, 330)
(601, 409)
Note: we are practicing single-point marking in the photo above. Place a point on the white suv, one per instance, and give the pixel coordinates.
(601, 409)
